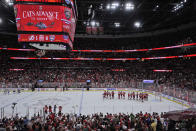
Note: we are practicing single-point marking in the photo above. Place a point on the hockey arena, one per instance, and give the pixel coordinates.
(97, 65)
(78, 102)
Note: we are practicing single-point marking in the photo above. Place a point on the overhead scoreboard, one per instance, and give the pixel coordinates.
(46, 21)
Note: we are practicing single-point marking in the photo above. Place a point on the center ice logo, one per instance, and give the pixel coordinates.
(48, 101)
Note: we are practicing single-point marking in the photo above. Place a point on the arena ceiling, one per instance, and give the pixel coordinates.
(119, 17)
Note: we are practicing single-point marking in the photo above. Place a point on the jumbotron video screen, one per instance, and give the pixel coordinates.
(43, 21)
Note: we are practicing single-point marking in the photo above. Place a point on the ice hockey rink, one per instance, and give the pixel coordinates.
(84, 102)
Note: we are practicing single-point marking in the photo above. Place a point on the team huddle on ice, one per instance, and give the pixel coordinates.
(121, 95)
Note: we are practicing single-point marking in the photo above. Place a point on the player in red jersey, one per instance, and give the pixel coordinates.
(146, 96)
(142, 97)
(50, 109)
(133, 94)
(123, 94)
(119, 95)
(46, 109)
(104, 94)
(129, 95)
(137, 95)
(112, 94)
(60, 110)
(107, 94)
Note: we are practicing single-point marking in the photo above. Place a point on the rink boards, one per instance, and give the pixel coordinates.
(167, 97)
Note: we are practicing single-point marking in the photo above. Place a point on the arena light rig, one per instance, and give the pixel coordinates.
(162, 70)
(16, 69)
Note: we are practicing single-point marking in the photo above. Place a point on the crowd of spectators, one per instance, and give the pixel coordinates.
(97, 122)
(123, 74)
(182, 75)
(104, 74)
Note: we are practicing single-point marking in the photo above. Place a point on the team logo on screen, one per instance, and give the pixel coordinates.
(40, 7)
(67, 2)
(41, 25)
(65, 37)
(41, 37)
(67, 14)
(31, 37)
(52, 37)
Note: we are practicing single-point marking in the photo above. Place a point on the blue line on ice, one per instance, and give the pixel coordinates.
(81, 100)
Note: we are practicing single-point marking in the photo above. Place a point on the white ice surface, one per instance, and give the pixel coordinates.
(82, 102)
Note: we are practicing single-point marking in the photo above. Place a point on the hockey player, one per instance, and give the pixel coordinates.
(60, 110)
(107, 94)
(55, 109)
(104, 94)
(129, 96)
(46, 109)
(123, 94)
(137, 95)
(119, 95)
(142, 97)
(50, 109)
(112, 94)
(133, 94)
